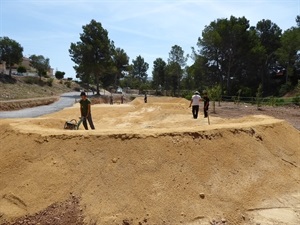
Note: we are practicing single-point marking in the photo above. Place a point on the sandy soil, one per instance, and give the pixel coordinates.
(152, 164)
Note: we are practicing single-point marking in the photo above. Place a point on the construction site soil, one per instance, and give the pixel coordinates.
(153, 164)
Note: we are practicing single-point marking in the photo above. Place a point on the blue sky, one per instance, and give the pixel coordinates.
(141, 27)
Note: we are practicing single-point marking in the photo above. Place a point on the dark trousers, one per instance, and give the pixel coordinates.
(90, 120)
(205, 109)
(195, 110)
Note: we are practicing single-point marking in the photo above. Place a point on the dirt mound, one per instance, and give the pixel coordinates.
(26, 103)
(151, 164)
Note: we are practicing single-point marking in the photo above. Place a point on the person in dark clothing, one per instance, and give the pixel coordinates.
(111, 99)
(145, 97)
(85, 111)
(206, 104)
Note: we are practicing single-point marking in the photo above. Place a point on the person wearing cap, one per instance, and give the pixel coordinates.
(195, 103)
(85, 111)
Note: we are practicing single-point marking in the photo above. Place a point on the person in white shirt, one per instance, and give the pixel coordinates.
(195, 103)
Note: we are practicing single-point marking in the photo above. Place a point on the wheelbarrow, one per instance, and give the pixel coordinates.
(73, 124)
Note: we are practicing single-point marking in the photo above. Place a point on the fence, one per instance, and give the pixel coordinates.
(272, 101)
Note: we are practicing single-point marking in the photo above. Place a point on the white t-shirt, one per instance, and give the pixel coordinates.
(196, 99)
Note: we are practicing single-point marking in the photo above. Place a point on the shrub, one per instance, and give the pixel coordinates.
(285, 88)
(32, 80)
(68, 84)
(296, 100)
(188, 95)
(275, 101)
(50, 82)
(21, 69)
(259, 98)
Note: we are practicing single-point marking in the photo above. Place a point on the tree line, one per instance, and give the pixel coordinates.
(11, 52)
(231, 56)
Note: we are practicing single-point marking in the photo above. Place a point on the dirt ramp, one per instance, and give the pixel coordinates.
(238, 174)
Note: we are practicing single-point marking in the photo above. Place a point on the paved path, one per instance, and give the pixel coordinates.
(65, 100)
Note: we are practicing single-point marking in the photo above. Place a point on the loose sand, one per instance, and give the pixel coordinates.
(152, 164)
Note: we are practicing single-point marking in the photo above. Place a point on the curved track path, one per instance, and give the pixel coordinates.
(65, 100)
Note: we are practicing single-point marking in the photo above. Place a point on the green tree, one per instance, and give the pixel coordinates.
(127, 80)
(172, 81)
(40, 63)
(289, 55)
(199, 74)
(159, 74)
(120, 59)
(177, 61)
(21, 69)
(251, 76)
(59, 75)
(11, 52)
(92, 54)
(259, 96)
(215, 94)
(139, 69)
(177, 55)
(269, 35)
(225, 43)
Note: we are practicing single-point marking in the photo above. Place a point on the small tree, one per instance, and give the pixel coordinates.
(92, 54)
(237, 98)
(59, 75)
(40, 63)
(259, 94)
(10, 51)
(21, 69)
(177, 60)
(139, 69)
(215, 94)
(120, 62)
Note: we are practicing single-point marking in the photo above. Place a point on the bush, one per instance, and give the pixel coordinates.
(32, 80)
(296, 100)
(285, 88)
(187, 95)
(275, 101)
(68, 84)
(21, 69)
(247, 92)
(50, 82)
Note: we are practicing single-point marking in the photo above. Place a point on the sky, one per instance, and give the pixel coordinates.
(146, 28)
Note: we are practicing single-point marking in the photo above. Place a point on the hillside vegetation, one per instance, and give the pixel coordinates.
(21, 87)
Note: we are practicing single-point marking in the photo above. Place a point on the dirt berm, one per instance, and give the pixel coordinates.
(151, 164)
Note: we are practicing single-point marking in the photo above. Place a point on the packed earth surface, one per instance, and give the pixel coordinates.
(153, 164)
